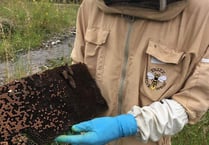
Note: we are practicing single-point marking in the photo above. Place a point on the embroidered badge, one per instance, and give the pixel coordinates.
(156, 79)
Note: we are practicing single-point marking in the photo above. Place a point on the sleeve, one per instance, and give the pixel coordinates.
(195, 94)
(166, 117)
(77, 54)
(169, 116)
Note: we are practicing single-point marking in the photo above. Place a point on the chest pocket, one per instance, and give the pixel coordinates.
(163, 69)
(94, 56)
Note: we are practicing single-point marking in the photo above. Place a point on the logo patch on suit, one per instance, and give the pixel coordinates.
(156, 79)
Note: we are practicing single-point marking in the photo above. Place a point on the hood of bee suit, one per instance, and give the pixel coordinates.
(158, 10)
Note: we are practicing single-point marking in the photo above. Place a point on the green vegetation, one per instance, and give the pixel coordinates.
(197, 134)
(25, 24)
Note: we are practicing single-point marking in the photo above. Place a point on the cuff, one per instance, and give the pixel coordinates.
(166, 117)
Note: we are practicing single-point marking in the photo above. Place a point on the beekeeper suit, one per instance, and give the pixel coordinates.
(150, 59)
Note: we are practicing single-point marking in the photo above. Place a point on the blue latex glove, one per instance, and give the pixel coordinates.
(100, 131)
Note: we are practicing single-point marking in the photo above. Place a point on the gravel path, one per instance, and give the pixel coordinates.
(34, 61)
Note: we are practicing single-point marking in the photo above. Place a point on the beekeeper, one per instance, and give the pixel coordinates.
(150, 59)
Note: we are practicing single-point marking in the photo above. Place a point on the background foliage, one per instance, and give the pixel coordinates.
(25, 24)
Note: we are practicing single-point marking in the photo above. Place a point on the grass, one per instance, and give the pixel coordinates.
(31, 23)
(27, 24)
(197, 134)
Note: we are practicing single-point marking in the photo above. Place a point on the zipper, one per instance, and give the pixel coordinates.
(125, 62)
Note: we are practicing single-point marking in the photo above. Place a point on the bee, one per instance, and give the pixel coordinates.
(155, 79)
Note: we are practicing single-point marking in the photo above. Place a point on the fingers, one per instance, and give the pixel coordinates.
(87, 139)
(82, 127)
(82, 132)
(73, 139)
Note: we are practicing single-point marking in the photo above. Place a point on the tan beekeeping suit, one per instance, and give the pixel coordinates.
(124, 47)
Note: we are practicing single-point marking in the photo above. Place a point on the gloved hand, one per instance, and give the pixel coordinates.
(101, 130)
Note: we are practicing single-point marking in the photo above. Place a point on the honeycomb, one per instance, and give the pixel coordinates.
(37, 108)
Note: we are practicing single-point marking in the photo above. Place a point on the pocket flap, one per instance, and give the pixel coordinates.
(96, 35)
(163, 53)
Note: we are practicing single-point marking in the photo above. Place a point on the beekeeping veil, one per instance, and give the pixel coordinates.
(160, 10)
(149, 4)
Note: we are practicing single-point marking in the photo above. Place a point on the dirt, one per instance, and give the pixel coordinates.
(58, 47)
